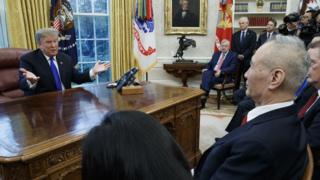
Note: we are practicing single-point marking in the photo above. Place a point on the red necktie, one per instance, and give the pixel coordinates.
(244, 120)
(304, 109)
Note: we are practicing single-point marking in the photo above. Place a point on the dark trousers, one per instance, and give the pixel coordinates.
(243, 68)
(208, 80)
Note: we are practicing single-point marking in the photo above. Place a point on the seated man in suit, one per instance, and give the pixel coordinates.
(46, 69)
(302, 95)
(222, 62)
(311, 116)
(271, 27)
(271, 143)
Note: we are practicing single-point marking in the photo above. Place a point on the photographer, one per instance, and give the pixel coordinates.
(290, 26)
(306, 29)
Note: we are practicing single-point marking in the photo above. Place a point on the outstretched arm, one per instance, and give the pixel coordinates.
(29, 76)
(100, 67)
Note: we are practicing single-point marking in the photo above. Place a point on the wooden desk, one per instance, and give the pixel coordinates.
(184, 70)
(41, 135)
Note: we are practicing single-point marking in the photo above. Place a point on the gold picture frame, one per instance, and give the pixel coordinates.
(177, 23)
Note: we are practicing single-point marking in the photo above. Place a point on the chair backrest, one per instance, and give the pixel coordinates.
(309, 169)
(9, 73)
(229, 83)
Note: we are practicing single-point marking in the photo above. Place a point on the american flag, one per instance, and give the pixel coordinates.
(57, 23)
(67, 41)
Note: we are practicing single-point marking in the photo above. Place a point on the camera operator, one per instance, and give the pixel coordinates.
(290, 26)
(306, 28)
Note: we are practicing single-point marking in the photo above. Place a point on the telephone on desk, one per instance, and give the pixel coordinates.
(125, 80)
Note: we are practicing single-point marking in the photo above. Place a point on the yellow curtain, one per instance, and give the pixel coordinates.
(121, 37)
(24, 18)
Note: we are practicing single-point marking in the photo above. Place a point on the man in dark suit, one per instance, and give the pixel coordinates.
(243, 43)
(46, 69)
(311, 118)
(271, 143)
(271, 27)
(304, 92)
(184, 17)
(222, 62)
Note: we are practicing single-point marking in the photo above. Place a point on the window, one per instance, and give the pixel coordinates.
(3, 27)
(91, 18)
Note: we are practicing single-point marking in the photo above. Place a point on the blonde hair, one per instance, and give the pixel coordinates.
(44, 32)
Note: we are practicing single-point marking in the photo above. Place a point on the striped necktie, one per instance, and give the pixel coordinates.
(309, 103)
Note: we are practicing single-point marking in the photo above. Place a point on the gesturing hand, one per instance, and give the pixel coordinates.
(29, 75)
(100, 67)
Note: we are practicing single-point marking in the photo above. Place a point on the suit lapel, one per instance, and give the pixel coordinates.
(226, 59)
(308, 118)
(216, 60)
(264, 38)
(43, 62)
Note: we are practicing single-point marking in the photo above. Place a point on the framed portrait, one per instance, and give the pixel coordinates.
(185, 17)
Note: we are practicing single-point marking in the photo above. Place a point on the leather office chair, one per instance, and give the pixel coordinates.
(9, 73)
(229, 83)
(309, 169)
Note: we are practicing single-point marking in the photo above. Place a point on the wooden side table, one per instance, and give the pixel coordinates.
(184, 70)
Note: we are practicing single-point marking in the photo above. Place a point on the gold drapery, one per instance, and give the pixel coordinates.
(24, 18)
(121, 37)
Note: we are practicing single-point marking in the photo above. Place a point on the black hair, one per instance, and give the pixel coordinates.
(273, 21)
(132, 145)
(292, 17)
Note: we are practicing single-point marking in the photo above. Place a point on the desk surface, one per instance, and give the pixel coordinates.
(31, 126)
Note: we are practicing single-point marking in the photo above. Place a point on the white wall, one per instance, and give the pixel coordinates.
(292, 6)
(167, 45)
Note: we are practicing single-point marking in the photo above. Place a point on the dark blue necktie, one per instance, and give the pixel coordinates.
(55, 74)
(242, 36)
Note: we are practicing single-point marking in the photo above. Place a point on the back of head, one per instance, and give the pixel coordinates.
(292, 17)
(132, 145)
(289, 54)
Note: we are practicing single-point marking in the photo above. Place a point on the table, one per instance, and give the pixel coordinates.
(184, 70)
(41, 135)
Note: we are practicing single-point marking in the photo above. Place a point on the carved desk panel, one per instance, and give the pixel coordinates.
(184, 70)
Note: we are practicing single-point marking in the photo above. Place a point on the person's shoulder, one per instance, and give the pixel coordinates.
(232, 53)
(237, 32)
(30, 55)
(263, 34)
(63, 56)
(251, 31)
